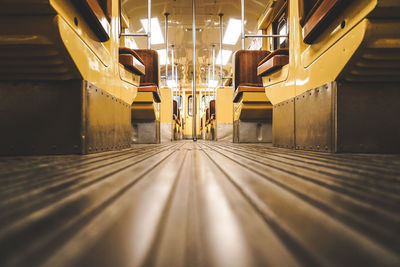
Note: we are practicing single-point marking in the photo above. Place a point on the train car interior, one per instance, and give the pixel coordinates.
(199, 133)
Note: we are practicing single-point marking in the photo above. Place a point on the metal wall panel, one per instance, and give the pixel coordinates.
(283, 134)
(61, 117)
(40, 117)
(314, 119)
(368, 117)
(106, 121)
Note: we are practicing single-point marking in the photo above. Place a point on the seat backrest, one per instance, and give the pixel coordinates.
(245, 66)
(320, 16)
(212, 108)
(175, 108)
(150, 59)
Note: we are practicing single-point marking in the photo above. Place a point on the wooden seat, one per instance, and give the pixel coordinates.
(175, 108)
(149, 81)
(316, 18)
(150, 60)
(176, 112)
(273, 61)
(247, 87)
(96, 17)
(153, 88)
(245, 72)
(245, 63)
(131, 60)
(212, 109)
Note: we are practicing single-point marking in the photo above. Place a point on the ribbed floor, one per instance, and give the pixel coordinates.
(204, 204)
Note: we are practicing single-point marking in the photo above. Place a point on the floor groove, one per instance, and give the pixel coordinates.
(200, 204)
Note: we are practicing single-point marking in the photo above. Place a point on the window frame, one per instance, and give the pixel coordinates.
(190, 106)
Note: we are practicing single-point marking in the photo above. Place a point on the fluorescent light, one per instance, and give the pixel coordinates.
(156, 34)
(226, 55)
(212, 83)
(161, 56)
(232, 32)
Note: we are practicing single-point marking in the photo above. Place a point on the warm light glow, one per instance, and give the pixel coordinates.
(130, 43)
(212, 83)
(232, 32)
(156, 34)
(226, 55)
(171, 83)
(161, 56)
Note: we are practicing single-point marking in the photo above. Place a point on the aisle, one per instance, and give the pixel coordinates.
(200, 204)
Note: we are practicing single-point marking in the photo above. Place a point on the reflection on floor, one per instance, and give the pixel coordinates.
(200, 204)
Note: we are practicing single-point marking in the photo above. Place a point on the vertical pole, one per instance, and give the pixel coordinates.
(172, 65)
(166, 47)
(213, 62)
(149, 24)
(221, 30)
(194, 113)
(242, 10)
(176, 78)
(208, 78)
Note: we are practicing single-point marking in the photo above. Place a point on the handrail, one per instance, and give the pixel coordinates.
(137, 34)
(265, 36)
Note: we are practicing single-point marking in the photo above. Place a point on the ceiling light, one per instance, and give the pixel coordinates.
(232, 32)
(226, 54)
(156, 34)
(161, 56)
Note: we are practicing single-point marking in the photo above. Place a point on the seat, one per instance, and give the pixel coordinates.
(175, 108)
(319, 16)
(212, 109)
(246, 87)
(274, 61)
(131, 60)
(245, 63)
(146, 106)
(153, 88)
(176, 112)
(95, 16)
(207, 116)
(252, 109)
(149, 82)
(245, 72)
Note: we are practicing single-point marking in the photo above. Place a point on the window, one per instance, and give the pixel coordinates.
(280, 26)
(190, 105)
(282, 30)
(177, 98)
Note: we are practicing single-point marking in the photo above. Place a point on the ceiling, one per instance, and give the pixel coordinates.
(180, 30)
